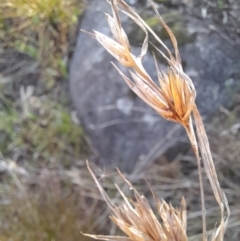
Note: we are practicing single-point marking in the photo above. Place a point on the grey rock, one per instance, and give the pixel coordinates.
(122, 128)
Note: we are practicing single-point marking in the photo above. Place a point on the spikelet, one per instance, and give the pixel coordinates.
(138, 221)
(176, 95)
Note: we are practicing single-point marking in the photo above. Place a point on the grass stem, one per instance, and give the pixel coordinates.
(192, 137)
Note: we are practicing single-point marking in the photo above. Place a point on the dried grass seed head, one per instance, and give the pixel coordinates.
(138, 221)
(178, 92)
(175, 97)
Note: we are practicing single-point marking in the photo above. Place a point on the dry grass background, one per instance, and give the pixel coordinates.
(52, 196)
(41, 29)
(169, 181)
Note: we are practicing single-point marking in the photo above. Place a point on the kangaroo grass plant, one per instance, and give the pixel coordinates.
(175, 101)
(138, 221)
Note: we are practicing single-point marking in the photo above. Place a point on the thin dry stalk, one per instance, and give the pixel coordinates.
(190, 132)
(174, 99)
(212, 176)
(138, 221)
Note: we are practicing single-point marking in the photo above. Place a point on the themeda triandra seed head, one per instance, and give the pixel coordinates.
(179, 94)
(139, 222)
(175, 97)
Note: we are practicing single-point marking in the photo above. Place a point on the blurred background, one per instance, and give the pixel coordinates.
(62, 102)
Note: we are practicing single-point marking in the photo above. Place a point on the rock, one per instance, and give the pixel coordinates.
(122, 128)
